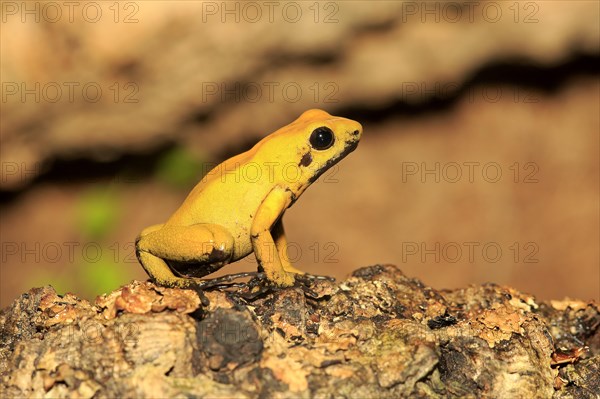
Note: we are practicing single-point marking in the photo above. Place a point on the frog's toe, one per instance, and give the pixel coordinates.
(309, 278)
(198, 288)
(287, 280)
(282, 278)
(228, 280)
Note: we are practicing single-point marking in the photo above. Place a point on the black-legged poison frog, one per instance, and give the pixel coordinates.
(236, 209)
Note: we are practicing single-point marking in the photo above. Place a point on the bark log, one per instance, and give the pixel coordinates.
(378, 334)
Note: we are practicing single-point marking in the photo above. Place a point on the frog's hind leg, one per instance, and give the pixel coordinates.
(203, 244)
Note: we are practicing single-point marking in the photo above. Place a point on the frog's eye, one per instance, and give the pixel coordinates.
(322, 138)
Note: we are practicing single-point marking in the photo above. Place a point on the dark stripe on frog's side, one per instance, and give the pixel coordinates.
(350, 146)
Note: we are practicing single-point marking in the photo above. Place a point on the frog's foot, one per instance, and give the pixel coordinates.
(306, 278)
(280, 277)
(223, 282)
(306, 282)
(249, 290)
(227, 281)
(261, 284)
(198, 289)
(255, 288)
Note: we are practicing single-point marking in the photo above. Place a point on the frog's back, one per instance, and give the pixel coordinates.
(228, 195)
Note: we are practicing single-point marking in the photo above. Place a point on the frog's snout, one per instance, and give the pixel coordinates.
(352, 140)
(356, 130)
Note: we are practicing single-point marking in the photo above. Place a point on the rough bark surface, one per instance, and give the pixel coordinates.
(378, 334)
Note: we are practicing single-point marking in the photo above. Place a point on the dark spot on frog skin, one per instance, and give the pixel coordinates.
(306, 159)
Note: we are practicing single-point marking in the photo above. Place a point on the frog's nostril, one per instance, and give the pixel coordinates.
(355, 133)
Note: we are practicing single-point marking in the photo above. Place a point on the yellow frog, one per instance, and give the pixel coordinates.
(236, 209)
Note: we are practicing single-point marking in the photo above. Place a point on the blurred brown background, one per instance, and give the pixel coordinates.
(479, 160)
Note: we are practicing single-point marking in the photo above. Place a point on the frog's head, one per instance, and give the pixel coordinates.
(314, 142)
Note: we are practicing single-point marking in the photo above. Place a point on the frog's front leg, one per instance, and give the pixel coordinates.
(209, 245)
(278, 270)
(281, 245)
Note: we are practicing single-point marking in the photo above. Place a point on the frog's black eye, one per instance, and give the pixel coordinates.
(322, 138)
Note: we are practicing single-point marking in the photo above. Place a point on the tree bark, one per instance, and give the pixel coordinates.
(378, 334)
